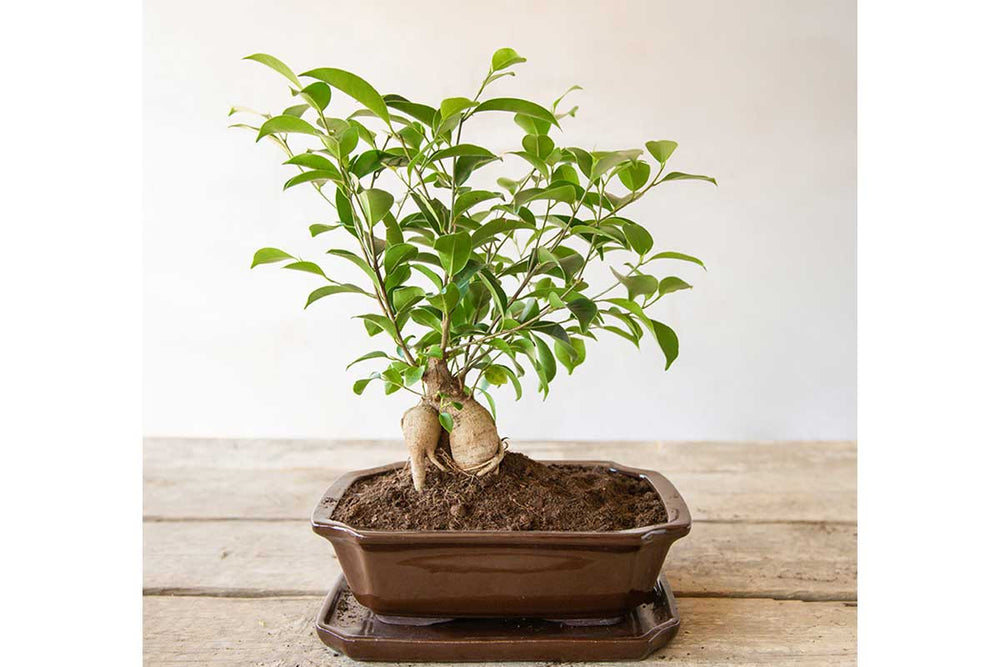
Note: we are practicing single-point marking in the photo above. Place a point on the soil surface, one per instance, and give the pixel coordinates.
(523, 495)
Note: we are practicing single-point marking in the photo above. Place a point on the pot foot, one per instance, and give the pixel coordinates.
(414, 621)
(587, 622)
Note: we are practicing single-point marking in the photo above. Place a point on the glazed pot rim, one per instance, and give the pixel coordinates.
(677, 525)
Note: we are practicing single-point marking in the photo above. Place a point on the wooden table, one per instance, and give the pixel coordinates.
(234, 575)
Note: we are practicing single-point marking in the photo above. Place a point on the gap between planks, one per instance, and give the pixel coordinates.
(758, 522)
(784, 561)
(279, 632)
(255, 594)
(793, 481)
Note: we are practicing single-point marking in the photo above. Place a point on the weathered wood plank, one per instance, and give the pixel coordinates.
(278, 632)
(792, 561)
(274, 479)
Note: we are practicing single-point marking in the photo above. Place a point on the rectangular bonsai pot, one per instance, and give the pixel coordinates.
(489, 574)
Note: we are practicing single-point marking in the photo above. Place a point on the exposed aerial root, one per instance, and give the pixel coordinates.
(493, 463)
(472, 447)
(421, 430)
(473, 440)
(478, 470)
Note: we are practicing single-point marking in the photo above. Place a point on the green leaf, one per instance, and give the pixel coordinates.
(532, 125)
(357, 261)
(335, 289)
(538, 145)
(495, 375)
(453, 105)
(397, 254)
(308, 267)
(514, 381)
(361, 385)
(269, 255)
(495, 289)
(661, 150)
(391, 380)
(465, 165)
(422, 112)
(551, 329)
(296, 110)
(571, 355)
(393, 232)
(354, 86)
(672, 284)
(319, 228)
(275, 64)
(638, 237)
(546, 361)
(446, 420)
(490, 401)
(667, 340)
(313, 161)
(467, 200)
(514, 105)
(504, 58)
(563, 96)
(317, 94)
(413, 374)
(454, 251)
(635, 309)
(621, 332)
(285, 125)
(312, 176)
(678, 255)
(404, 297)
(584, 310)
(680, 176)
(545, 258)
(637, 284)
(495, 228)
(532, 159)
(377, 323)
(344, 208)
(635, 175)
(377, 354)
(397, 278)
(584, 160)
(431, 276)
(447, 300)
(560, 193)
(375, 204)
(566, 172)
(607, 160)
(462, 150)
(427, 318)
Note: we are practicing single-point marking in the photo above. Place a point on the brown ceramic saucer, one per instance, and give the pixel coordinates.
(346, 626)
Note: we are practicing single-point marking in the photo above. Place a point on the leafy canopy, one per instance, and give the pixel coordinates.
(488, 277)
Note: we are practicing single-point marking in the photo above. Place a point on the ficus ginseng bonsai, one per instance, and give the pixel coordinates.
(470, 283)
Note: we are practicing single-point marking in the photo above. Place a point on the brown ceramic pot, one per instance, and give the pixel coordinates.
(532, 574)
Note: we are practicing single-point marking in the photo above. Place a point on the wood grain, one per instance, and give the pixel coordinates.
(274, 479)
(233, 573)
(790, 561)
(278, 632)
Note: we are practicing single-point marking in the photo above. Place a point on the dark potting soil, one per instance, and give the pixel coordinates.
(523, 495)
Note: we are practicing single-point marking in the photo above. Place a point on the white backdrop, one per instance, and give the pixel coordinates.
(759, 94)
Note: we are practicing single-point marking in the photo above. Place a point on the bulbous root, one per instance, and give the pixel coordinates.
(474, 443)
(421, 431)
(475, 447)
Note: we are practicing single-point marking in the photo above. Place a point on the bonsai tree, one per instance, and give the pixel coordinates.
(470, 281)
